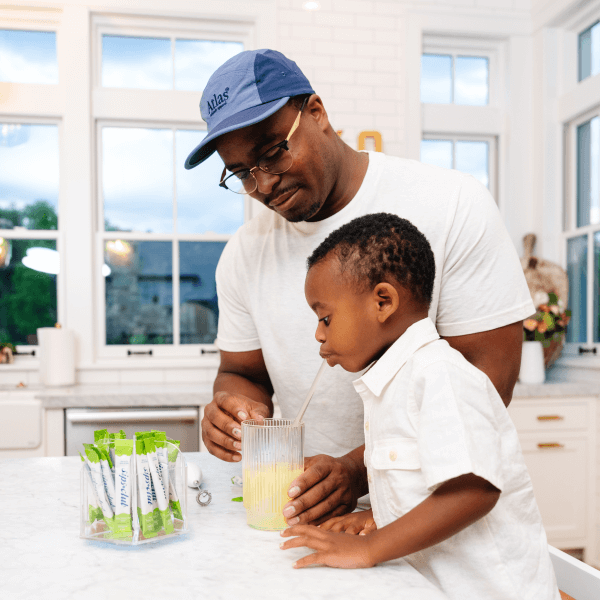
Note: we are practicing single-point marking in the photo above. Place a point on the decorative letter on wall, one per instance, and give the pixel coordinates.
(372, 134)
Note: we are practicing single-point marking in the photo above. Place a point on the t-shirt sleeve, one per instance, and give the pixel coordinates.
(482, 285)
(236, 330)
(457, 431)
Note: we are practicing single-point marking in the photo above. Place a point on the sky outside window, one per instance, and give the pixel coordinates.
(447, 79)
(25, 200)
(28, 56)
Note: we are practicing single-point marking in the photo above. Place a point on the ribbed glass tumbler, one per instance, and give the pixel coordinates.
(272, 457)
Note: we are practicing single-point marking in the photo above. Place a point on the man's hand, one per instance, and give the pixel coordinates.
(221, 429)
(329, 487)
(332, 549)
(361, 523)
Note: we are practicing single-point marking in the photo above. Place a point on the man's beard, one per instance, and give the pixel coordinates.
(310, 212)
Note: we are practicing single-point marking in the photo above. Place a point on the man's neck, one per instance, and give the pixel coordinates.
(353, 167)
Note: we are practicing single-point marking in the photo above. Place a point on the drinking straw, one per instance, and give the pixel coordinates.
(309, 395)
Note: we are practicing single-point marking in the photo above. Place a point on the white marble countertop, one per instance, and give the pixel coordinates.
(200, 394)
(221, 557)
(104, 396)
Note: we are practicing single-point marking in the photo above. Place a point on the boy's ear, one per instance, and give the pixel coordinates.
(388, 300)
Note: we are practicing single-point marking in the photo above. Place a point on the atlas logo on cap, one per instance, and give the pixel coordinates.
(245, 90)
(217, 102)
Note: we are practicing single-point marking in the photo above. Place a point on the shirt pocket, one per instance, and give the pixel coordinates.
(397, 466)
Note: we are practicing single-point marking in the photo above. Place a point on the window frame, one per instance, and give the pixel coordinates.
(468, 47)
(492, 141)
(570, 229)
(162, 109)
(22, 233)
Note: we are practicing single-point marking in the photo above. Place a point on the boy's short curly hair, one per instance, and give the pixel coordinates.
(375, 247)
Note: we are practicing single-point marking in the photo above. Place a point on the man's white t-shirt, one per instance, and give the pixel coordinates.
(479, 285)
(431, 416)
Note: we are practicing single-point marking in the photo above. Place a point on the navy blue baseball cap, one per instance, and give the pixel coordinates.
(245, 90)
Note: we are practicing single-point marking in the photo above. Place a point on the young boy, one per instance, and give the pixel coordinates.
(449, 489)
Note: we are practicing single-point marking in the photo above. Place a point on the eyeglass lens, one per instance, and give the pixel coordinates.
(277, 160)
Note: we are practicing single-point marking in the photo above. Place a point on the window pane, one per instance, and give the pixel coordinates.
(137, 62)
(436, 79)
(203, 206)
(139, 292)
(198, 291)
(577, 272)
(471, 76)
(472, 158)
(196, 60)
(588, 176)
(437, 152)
(589, 52)
(28, 56)
(137, 179)
(597, 287)
(28, 271)
(28, 176)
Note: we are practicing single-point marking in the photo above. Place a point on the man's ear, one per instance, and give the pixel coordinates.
(316, 109)
(388, 300)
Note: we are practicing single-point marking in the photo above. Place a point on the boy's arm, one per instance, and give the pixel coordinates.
(452, 507)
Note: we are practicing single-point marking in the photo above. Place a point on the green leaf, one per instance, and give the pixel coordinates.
(238, 499)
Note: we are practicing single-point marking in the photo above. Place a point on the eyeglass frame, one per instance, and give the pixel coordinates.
(283, 144)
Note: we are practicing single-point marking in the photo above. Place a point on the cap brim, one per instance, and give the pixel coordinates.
(247, 117)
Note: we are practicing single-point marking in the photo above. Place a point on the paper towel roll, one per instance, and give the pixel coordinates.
(57, 356)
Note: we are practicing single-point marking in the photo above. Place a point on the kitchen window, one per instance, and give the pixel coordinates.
(588, 52)
(455, 79)
(461, 109)
(28, 56)
(29, 237)
(582, 232)
(473, 156)
(161, 229)
(164, 231)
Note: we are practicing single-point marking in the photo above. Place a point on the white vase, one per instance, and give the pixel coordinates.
(532, 363)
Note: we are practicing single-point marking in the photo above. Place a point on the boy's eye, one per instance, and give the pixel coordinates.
(325, 320)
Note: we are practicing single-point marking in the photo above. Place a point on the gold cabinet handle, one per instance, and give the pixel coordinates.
(550, 445)
(550, 418)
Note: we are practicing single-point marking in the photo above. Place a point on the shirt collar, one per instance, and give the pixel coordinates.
(382, 372)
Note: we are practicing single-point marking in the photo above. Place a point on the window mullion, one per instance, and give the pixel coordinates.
(176, 262)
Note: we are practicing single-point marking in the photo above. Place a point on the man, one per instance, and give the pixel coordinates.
(274, 136)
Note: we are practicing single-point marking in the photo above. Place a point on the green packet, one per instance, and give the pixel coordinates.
(123, 472)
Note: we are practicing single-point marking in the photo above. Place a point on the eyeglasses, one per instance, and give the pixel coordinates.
(276, 160)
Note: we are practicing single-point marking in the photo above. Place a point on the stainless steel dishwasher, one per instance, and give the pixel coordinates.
(178, 422)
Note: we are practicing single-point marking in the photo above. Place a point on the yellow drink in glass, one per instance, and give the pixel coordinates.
(272, 455)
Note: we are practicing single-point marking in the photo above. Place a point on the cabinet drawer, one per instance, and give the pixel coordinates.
(549, 417)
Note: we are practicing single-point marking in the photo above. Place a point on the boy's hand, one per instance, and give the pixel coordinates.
(332, 549)
(360, 523)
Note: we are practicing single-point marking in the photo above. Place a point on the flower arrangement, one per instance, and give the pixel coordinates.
(550, 320)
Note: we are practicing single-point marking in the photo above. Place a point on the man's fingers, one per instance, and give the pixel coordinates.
(313, 473)
(221, 452)
(222, 422)
(214, 437)
(318, 502)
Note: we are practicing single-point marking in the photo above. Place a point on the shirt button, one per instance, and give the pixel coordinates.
(367, 425)
(393, 455)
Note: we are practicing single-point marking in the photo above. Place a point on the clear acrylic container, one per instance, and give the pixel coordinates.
(272, 457)
(158, 526)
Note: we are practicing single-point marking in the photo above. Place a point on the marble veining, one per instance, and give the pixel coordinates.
(221, 557)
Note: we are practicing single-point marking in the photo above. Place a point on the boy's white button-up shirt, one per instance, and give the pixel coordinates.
(431, 416)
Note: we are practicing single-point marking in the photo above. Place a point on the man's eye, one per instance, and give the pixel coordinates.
(242, 175)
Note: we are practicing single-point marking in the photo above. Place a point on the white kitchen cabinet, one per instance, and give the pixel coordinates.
(558, 439)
